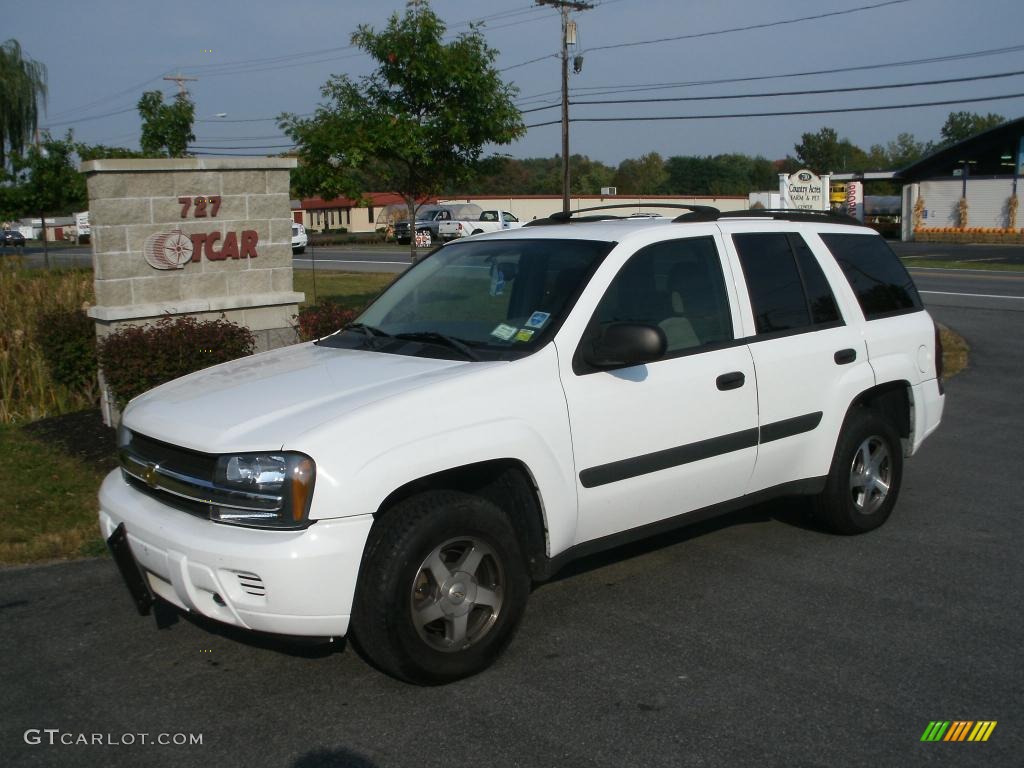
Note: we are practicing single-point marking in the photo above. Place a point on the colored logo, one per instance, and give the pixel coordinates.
(168, 250)
(958, 730)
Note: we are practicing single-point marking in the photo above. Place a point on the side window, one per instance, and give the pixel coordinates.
(819, 293)
(677, 285)
(883, 286)
(773, 282)
(788, 291)
(508, 217)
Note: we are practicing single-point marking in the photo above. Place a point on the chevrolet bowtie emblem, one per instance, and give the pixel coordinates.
(149, 474)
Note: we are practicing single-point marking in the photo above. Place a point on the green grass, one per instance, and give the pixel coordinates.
(954, 353)
(50, 505)
(27, 391)
(352, 290)
(993, 266)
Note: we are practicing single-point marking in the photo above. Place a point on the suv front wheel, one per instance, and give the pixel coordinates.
(442, 588)
(865, 477)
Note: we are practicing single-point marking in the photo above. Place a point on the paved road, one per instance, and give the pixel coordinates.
(1005, 254)
(753, 640)
(31, 256)
(396, 258)
(971, 288)
(355, 259)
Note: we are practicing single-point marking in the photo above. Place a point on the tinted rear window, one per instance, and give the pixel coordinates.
(882, 284)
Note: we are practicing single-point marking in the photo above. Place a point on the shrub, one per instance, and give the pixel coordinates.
(67, 338)
(135, 359)
(27, 389)
(319, 320)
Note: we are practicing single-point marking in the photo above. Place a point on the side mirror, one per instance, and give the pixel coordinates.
(622, 345)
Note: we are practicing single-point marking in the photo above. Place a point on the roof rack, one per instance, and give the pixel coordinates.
(790, 214)
(696, 213)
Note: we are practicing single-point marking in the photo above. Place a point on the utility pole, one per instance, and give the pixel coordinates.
(180, 80)
(564, 6)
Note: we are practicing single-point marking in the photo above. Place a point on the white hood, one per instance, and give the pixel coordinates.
(261, 402)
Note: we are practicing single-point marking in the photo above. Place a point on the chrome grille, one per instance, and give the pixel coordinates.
(184, 479)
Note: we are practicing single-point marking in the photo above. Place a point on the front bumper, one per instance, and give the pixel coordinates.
(284, 582)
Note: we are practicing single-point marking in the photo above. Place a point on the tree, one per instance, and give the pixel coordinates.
(417, 124)
(730, 174)
(102, 151)
(47, 181)
(22, 86)
(645, 176)
(166, 128)
(962, 125)
(825, 152)
(906, 150)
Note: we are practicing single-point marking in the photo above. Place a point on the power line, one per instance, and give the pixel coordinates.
(816, 91)
(713, 33)
(97, 102)
(640, 87)
(749, 27)
(844, 110)
(87, 119)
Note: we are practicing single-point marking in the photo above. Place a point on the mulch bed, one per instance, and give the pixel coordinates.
(81, 434)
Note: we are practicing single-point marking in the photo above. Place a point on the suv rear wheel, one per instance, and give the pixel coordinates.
(442, 588)
(865, 477)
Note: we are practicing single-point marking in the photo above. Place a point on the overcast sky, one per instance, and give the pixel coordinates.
(257, 58)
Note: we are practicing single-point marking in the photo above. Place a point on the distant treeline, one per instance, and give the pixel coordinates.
(823, 151)
(648, 175)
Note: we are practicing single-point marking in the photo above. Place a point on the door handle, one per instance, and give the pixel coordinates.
(732, 380)
(844, 356)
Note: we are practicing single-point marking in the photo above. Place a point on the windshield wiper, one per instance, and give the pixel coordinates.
(439, 338)
(371, 333)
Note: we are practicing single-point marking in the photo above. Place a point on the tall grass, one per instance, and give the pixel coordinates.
(26, 390)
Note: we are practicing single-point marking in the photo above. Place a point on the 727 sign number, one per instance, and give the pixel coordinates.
(200, 206)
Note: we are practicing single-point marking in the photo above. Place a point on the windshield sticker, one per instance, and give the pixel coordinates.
(537, 319)
(524, 335)
(504, 332)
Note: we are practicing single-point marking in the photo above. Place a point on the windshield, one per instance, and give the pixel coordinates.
(499, 298)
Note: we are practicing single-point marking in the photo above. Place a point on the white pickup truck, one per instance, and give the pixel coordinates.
(489, 221)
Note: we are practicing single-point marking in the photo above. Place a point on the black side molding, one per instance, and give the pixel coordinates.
(703, 449)
(670, 457)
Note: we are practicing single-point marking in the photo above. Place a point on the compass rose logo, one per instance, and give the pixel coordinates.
(168, 250)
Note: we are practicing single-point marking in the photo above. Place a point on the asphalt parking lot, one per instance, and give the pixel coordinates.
(752, 640)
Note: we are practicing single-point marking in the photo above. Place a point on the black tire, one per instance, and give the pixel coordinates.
(477, 231)
(864, 480)
(397, 586)
(404, 241)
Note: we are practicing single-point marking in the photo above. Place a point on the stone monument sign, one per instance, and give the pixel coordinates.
(209, 238)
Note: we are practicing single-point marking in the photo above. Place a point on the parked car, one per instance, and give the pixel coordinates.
(299, 238)
(516, 401)
(428, 218)
(487, 221)
(12, 237)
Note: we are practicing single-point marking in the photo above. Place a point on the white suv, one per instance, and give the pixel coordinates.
(517, 400)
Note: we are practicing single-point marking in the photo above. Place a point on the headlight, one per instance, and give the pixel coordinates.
(271, 490)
